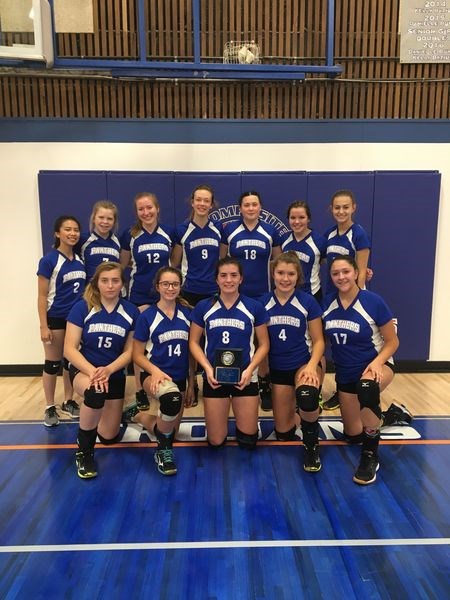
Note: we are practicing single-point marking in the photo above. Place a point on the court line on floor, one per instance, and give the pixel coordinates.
(229, 443)
(225, 544)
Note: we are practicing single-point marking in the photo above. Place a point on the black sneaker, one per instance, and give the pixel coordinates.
(85, 465)
(367, 471)
(265, 393)
(142, 400)
(51, 418)
(311, 459)
(129, 412)
(332, 403)
(70, 407)
(396, 414)
(165, 461)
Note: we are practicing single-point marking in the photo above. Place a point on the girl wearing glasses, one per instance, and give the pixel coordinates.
(161, 351)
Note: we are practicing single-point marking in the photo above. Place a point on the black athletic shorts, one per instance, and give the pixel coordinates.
(116, 384)
(56, 323)
(227, 391)
(350, 388)
(285, 377)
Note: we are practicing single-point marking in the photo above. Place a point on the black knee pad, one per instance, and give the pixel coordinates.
(108, 441)
(94, 399)
(246, 440)
(51, 367)
(286, 436)
(307, 398)
(369, 395)
(65, 364)
(170, 402)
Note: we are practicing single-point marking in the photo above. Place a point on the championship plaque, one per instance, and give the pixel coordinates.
(227, 365)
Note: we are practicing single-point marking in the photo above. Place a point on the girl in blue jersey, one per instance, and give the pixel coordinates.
(161, 351)
(100, 244)
(98, 347)
(232, 325)
(346, 238)
(363, 340)
(61, 281)
(197, 247)
(146, 247)
(253, 243)
(196, 250)
(309, 246)
(296, 349)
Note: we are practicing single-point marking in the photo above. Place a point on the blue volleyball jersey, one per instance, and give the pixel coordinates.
(310, 251)
(67, 279)
(290, 341)
(354, 332)
(94, 249)
(230, 327)
(149, 251)
(348, 243)
(201, 249)
(166, 340)
(104, 333)
(253, 249)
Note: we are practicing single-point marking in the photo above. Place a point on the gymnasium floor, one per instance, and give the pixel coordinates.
(231, 524)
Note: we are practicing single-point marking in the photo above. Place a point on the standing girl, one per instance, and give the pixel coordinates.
(146, 247)
(253, 243)
(296, 349)
(161, 351)
(309, 246)
(363, 340)
(98, 346)
(61, 281)
(197, 247)
(232, 325)
(101, 243)
(345, 238)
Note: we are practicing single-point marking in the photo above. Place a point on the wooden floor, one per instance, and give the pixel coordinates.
(21, 398)
(232, 524)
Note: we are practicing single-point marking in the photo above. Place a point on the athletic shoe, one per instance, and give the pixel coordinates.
(396, 414)
(70, 407)
(51, 417)
(332, 403)
(142, 400)
(367, 471)
(129, 412)
(265, 393)
(311, 460)
(164, 460)
(85, 465)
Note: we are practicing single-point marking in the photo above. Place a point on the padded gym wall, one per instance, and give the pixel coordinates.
(398, 209)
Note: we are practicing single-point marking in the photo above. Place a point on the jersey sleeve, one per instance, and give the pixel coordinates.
(277, 237)
(45, 267)
(141, 327)
(78, 314)
(198, 313)
(314, 308)
(383, 313)
(361, 239)
(261, 315)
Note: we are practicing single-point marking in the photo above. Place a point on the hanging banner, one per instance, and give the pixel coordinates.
(424, 31)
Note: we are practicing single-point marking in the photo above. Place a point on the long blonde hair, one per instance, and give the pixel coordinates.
(92, 293)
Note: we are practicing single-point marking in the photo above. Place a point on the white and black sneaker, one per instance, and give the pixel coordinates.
(51, 417)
